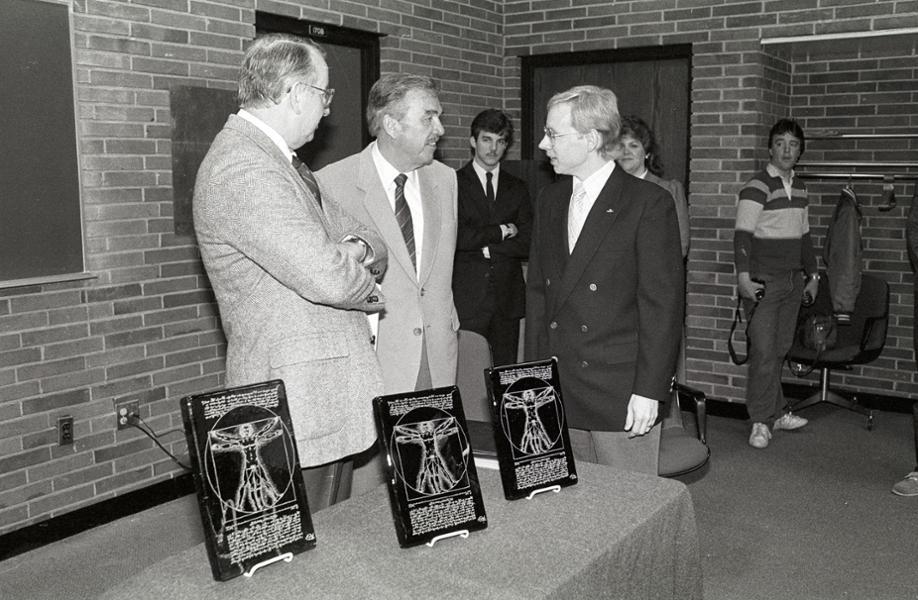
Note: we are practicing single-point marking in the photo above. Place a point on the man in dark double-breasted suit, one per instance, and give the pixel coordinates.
(494, 227)
(605, 285)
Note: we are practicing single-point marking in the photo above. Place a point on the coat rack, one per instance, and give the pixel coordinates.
(844, 170)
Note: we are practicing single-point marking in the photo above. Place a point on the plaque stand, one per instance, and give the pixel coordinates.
(286, 557)
(463, 533)
(552, 488)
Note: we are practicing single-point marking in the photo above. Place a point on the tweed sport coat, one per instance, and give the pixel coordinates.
(417, 308)
(290, 298)
(612, 310)
(479, 226)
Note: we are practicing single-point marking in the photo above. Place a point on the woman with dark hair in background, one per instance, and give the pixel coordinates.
(638, 154)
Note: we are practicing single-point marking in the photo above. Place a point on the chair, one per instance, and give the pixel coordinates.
(681, 452)
(474, 356)
(858, 343)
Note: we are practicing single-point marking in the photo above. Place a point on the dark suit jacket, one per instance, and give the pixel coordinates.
(479, 226)
(611, 311)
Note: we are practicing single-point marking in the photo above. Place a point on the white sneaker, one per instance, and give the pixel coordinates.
(908, 486)
(760, 435)
(789, 422)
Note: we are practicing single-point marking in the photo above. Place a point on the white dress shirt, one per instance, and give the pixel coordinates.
(387, 174)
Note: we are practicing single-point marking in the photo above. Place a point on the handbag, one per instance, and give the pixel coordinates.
(818, 333)
(815, 332)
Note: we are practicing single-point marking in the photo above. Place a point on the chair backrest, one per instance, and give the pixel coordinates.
(872, 306)
(474, 357)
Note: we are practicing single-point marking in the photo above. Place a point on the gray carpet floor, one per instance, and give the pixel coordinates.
(809, 518)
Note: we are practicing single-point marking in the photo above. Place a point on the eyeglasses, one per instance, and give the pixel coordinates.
(327, 93)
(552, 136)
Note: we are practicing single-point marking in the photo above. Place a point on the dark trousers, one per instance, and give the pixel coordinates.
(502, 333)
(771, 334)
(617, 449)
(337, 481)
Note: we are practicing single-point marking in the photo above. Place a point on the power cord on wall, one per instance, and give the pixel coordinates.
(135, 420)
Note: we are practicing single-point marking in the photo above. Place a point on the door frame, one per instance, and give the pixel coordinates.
(365, 41)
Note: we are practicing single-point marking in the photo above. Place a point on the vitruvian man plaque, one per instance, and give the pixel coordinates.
(247, 477)
(432, 481)
(530, 433)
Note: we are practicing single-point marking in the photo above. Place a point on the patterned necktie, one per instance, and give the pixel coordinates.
(489, 186)
(575, 216)
(308, 178)
(403, 216)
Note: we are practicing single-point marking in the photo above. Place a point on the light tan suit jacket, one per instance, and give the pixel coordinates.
(419, 309)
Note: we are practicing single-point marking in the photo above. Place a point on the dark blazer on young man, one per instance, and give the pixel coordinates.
(612, 310)
(292, 303)
(490, 293)
(419, 313)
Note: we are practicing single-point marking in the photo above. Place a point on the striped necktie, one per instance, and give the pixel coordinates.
(308, 178)
(403, 216)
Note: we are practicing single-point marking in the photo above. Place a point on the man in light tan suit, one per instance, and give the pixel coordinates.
(417, 330)
(293, 274)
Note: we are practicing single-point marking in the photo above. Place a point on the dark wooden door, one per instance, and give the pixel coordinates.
(353, 67)
(651, 83)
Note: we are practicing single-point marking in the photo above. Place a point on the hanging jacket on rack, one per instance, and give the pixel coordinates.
(842, 254)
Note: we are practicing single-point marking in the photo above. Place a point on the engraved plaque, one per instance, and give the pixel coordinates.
(247, 477)
(530, 432)
(432, 481)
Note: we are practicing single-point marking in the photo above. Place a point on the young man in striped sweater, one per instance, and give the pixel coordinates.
(776, 267)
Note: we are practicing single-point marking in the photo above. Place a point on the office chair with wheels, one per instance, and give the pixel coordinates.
(858, 343)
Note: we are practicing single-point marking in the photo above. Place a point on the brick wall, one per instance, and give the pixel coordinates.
(739, 88)
(147, 326)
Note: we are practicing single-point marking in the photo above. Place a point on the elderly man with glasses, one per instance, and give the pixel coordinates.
(604, 286)
(294, 275)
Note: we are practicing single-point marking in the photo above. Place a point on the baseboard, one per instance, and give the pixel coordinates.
(58, 528)
(66, 525)
(795, 391)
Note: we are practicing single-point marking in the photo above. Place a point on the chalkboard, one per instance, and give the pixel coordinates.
(198, 115)
(41, 233)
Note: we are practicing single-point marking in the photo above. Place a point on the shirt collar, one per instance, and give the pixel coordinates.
(593, 184)
(268, 131)
(774, 172)
(388, 173)
(482, 171)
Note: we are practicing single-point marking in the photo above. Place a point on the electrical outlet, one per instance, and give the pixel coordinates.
(65, 430)
(123, 409)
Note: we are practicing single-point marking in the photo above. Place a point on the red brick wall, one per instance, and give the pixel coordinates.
(147, 326)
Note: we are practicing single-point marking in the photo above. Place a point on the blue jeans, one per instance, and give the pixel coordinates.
(771, 334)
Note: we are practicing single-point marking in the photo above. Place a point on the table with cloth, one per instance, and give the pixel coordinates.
(615, 534)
